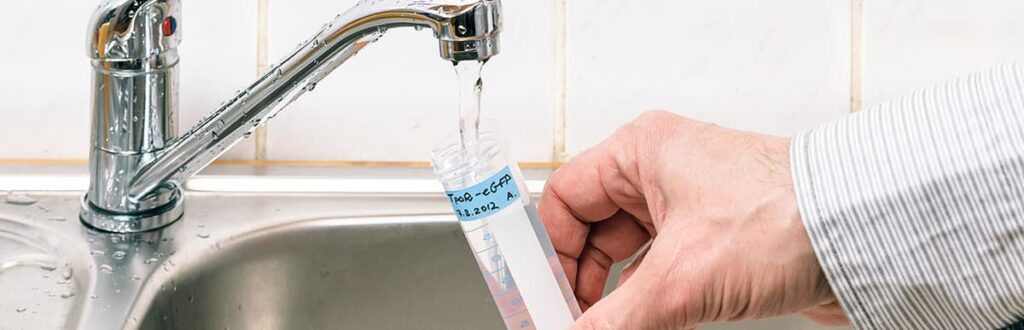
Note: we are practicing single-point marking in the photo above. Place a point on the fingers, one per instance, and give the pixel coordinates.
(578, 195)
(644, 302)
(609, 242)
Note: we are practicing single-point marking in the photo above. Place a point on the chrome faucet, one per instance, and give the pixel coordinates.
(138, 163)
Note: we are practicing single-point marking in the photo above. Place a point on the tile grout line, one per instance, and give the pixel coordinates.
(262, 53)
(856, 55)
(559, 152)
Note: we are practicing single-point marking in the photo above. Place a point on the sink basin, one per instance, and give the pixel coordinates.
(244, 260)
(412, 272)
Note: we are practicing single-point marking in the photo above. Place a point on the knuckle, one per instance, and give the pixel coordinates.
(655, 117)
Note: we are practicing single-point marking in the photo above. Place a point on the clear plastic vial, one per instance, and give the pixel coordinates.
(498, 216)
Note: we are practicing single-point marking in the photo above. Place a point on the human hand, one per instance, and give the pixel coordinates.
(728, 241)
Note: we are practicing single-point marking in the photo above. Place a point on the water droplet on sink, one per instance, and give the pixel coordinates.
(119, 255)
(93, 297)
(67, 295)
(58, 218)
(136, 278)
(20, 199)
(98, 252)
(107, 269)
(21, 309)
(150, 261)
(48, 267)
(68, 273)
(191, 299)
(203, 235)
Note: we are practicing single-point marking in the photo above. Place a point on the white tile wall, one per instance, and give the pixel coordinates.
(218, 57)
(44, 95)
(45, 91)
(912, 44)
(768, 66)
(396, 98)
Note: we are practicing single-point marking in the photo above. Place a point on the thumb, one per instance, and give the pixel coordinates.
(616, 311)
(637, 304)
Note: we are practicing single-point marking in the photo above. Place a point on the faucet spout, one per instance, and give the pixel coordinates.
(466, 30)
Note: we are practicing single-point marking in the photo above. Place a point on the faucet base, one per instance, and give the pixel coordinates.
(132, 223)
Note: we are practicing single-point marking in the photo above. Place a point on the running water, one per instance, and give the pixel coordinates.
(470, 88)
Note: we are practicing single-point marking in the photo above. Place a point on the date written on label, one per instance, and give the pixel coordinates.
(485, 198)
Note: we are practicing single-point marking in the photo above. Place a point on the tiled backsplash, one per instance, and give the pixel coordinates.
(911, 44)
(769, 66)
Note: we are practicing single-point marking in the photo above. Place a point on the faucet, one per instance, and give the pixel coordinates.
(138, 163)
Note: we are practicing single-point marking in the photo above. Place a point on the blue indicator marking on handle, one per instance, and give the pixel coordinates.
(485, 198)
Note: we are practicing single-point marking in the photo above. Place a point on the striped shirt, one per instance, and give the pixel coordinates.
(915, 207)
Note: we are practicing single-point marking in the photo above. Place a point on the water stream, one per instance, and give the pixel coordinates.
(470, 87)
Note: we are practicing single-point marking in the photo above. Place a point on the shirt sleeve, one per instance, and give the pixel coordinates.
(915, 207)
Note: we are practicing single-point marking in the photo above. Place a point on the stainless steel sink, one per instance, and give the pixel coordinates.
(245, 261)
(407, 272)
